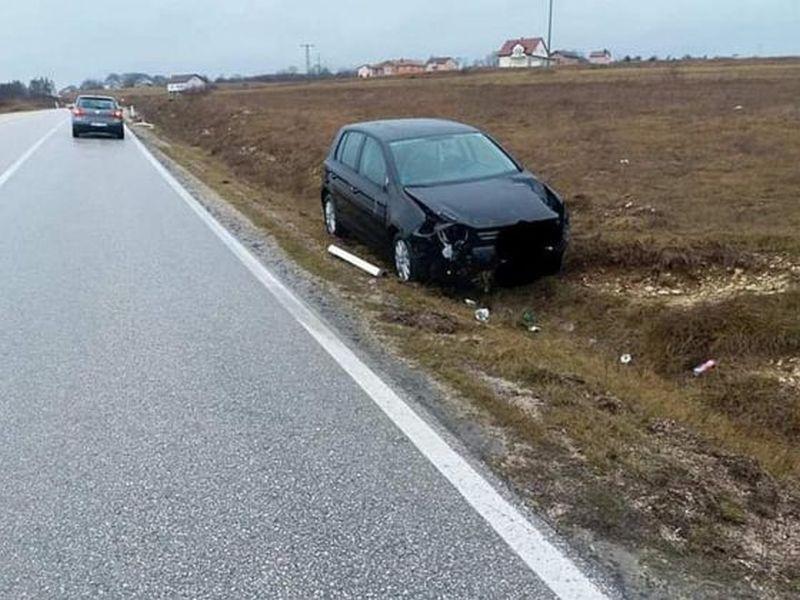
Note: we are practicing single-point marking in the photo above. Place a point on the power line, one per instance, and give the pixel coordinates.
(308, 48)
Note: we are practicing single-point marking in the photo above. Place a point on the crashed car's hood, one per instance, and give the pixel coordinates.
(487, 203)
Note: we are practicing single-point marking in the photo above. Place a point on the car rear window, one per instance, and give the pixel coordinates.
(97, 103)
(349, 148)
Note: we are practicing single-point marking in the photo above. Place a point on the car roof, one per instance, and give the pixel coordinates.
(391, 130)
(92, 97)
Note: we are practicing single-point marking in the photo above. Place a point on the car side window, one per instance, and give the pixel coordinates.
(349, 149)
(373, 164)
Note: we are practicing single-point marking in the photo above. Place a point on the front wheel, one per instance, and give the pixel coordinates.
(407, 266)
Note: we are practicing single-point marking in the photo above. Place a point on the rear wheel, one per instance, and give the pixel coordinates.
(75, 132)
(333, 224)
(121, 133)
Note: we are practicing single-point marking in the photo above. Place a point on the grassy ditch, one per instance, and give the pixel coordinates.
(683, 186)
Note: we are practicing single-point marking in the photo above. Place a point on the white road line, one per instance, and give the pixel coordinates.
(551, 565)
(22, 159)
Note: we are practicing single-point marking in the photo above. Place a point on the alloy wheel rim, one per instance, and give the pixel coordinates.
(402, 260)
(330, 217)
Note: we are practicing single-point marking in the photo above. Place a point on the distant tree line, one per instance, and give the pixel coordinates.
(38, 88)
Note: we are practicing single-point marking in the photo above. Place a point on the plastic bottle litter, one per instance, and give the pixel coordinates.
(705, 367)
(470, 302)
(626, 359)
(482, 315)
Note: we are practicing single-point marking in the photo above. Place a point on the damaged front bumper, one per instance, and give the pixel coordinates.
(454, 250)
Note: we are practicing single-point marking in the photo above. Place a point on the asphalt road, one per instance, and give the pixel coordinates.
(170, 429)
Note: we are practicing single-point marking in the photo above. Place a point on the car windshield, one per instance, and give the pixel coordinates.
(96, 104)
(448, 159)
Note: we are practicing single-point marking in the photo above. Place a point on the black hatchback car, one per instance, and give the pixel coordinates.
(443, 199)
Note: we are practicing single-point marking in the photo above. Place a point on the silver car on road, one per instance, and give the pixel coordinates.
(97, 114)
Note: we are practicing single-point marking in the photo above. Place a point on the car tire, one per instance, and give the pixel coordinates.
(407, 265)
(75, 132)
(330, 214)
(121, 133)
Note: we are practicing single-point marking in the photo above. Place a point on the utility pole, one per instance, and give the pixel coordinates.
(550, 34)
(308, 48)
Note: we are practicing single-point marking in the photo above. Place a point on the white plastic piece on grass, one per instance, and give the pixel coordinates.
(482, 315)
(705, 368)
(355, 261)
(626, 359)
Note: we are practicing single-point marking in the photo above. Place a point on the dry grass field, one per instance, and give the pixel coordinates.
(684, 186)
(17, 105)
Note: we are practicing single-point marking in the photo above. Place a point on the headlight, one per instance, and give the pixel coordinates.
(553, 201)
(452, 237)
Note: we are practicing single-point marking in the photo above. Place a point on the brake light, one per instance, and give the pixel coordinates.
(77, 111)
(118, 114)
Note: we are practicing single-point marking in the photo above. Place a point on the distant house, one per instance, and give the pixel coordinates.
(143, 82)
(567, 57)
(601, 57)
(70, 90)
(401, 66)
(367, 72)
(406, 66)
(437, 64)
(523, 53)
(178, 84)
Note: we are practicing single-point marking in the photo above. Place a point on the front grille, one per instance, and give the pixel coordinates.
(526, 240)
(488, 236)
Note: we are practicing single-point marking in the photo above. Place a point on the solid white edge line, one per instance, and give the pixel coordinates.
(547, 562)
(28, 153)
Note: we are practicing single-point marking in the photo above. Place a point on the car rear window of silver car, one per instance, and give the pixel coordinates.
(448, 159)
(97, 104)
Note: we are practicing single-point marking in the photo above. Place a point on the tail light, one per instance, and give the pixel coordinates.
(118, 114)
(78, 112)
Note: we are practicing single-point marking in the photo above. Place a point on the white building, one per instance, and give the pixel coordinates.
(601, 57)
(437, 64)
(366, 72)
(178, 84)
(523, 53)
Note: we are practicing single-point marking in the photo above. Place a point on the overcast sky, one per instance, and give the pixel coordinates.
(69, 40)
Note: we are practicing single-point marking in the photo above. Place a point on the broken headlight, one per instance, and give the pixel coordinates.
(452, 237)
